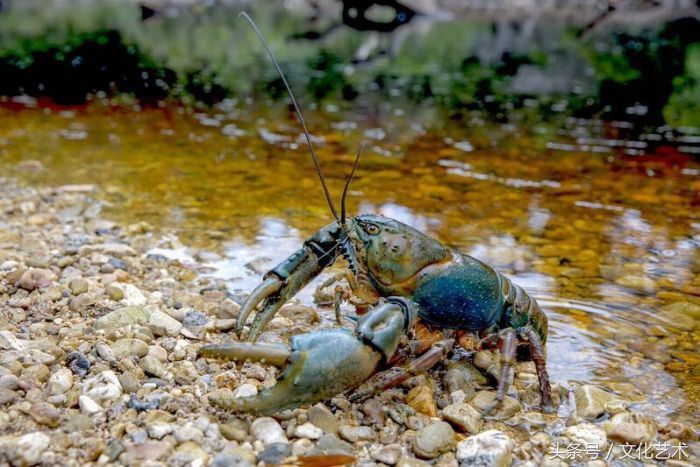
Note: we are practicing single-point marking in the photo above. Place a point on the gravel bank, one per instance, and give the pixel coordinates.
(98, 363)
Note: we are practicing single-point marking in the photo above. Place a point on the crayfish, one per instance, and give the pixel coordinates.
(402, 276)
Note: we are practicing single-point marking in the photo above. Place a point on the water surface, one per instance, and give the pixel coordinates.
(601, 227)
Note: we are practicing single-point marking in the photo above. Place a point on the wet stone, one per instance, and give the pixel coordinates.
(489, 448)
(433, 440)
(354, 434)
(25, 450)
(268, 430)
(587, 434)
(274, 453)
(591, 401)
(464, 417)
(322, 417)
(330, 444)
(229, 459)
(389, 454)
(485, 403)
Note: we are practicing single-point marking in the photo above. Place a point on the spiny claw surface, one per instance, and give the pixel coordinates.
(322, 364)
(268, 287)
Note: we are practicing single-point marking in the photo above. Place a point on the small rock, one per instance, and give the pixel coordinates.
(88, 406)
(587, 434)
(422, 400)
(36, 278)
(675, 430)
(104, 386)
(322, 417)
(115, 293)
(188, 433)
(245, 390)
(637, 282)
(129, 382)
(230, 459)
(25, 450)
(330, 444)
(189, 453)
(143, 406)
(485, 403)
(157, 430)
(129, 347)
(591, 401)
(135, 454)
(8, 341)
(308, 431)
(274, 453)
(78, 363)
(433, 440)
(45, 414)
(464, 417)
(268, 430)
(374, 411)
(60, 382)
(162, 324)
(388, 454)
(9, 382)
(7, 396)
(631, 428)
(152, 366)
(78, 285)
(356, 433)
(490, 448)
(79, 422)
(124, 316)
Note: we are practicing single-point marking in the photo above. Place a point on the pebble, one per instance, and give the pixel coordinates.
(422, 400)
(630, 428)
(123, 317)
(79, 422)
(157, 430)
(9, 382)
(162, 324)
(103, 387)
(356, 433)
(78, 285)
(388, 454)
(591, 401)
(60, 382)
(129, 347)
(25, 450)
(36, 278)
(152, 366)
(308, 431)
(330, 444)
(485, 403)
(268, 430)
(274, 453)
(129, 382)
(8, 341)
(464, 417)
(88, 406)
(189, 453)
(229, 459)
(245, 390)
(433, 440)
(78, 363)
(489, 448)
(587, 434)
(45, 414)
(322, 417)
(7, 396)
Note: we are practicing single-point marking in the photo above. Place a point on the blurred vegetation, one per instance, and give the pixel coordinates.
(70, 50)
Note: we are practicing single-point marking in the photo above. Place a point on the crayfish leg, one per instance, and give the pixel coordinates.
(395, 376)
(538, 356)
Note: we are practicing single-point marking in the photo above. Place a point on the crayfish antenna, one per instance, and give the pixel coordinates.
(347, 184)
(297, 110)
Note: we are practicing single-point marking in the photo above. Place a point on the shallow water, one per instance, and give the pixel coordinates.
(604, 231)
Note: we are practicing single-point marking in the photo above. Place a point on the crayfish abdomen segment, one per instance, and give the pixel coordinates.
(461, 294)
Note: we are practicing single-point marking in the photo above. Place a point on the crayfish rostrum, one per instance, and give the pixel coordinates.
(399, 275)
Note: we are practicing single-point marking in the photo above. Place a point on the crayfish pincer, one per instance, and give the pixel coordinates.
(396, 273)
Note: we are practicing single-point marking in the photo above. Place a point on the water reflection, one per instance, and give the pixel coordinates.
(610, 250)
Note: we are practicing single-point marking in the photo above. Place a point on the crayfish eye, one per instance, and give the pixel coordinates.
(372, 229)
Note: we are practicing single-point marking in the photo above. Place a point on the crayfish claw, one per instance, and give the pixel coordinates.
(268, 287)
(273, 354)
(320, 365)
